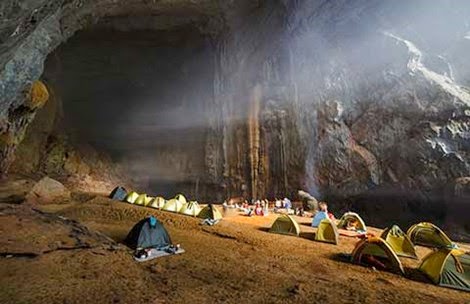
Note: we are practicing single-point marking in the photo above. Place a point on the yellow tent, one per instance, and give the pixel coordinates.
(192, 208)
(173, 205)
(399, 241)
(351, 217)
(448, 267)
(132, 197)
(429, 235)
(285, 224)
(181, 198)
(141, 199)
(210, 212)
(158, 202)
(376, 251)
(148, 200)
(327, 232)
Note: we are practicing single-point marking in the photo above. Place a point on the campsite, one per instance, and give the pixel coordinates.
(236, 261)
(234, 151)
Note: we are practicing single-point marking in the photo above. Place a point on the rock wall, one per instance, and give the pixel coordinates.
(373, 105)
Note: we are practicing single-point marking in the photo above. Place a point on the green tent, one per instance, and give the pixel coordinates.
(376, 249)
(157, 202)
(285, 224)
(173, 205)
(210, 212)
(399, 241)
(448, 267)
(181, 198)
(141, 199)
(351, 217)
(192, 208)
(327, 232)
(429, 235)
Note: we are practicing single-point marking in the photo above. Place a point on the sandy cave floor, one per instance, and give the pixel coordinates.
(237, 261)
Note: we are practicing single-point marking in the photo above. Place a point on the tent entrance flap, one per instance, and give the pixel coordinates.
(327, 232)
(399, 241)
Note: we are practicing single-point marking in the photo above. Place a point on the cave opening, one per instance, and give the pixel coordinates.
(140, 96)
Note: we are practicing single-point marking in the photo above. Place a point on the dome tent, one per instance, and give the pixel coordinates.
(285, 224)
(399, 241)
(141, 199)
(429, 235)
(157, 203)
(448, 267)
(118, 193)
(350, 217)
(327, 232)
(132, 197)
(148, 233)
(378, 251)
(181, 198)
(210, 212)
(192, 208)
(173, 205)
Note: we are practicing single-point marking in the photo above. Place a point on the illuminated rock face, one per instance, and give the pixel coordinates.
(364, 103)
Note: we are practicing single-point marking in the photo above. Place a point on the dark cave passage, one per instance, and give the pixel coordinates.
(140, 96)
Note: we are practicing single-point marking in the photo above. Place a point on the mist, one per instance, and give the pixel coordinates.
(154, 101)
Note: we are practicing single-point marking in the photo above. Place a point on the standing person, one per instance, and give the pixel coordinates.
(321, 214)
(287, 203)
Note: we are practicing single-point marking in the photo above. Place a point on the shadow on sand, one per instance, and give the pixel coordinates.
(303, 234)
(410, 273)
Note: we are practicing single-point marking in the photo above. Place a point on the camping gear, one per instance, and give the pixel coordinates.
(285, 224)
(351, 220)
(132, 197)
(118, 193)
(158, 202)
(192, 208)
(148, 199)
(319, 216)
(327, 232)
(377, 250)
(429, 235)
(399, 241)
(448, 267)
(210, 212)
(209, 222)
(141, 199)
(156, 253)
(173, 205)
(349, 233)
(148, 233)
(181, 198)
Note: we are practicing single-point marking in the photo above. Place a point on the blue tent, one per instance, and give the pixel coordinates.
(321, 215)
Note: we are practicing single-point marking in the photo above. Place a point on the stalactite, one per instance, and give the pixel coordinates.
(254, 137)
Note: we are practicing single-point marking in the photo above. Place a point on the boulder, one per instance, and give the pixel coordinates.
(48, 191)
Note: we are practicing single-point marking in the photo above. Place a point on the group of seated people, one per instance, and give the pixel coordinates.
(258, 207)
